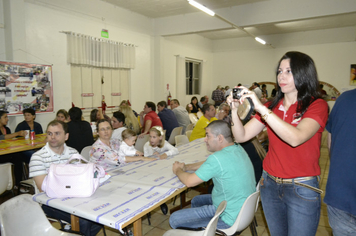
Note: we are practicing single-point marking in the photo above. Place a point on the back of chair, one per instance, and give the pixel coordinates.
(189, 127)
(188, 133)
(193, 118)
(181, 140)
(246, 214)
(6, 181)
(85, 152)
(211, 228)
(176, 131)
(22, 216)
(199, 114)
(140, 142)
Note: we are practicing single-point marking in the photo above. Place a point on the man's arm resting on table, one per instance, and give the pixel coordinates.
(194, 166)
(39, 180)
(188, 179)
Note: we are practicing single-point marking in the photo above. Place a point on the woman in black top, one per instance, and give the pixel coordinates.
(80, 132)
(194, 102)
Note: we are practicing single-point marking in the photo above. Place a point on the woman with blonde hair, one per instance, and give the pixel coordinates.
(131, 121)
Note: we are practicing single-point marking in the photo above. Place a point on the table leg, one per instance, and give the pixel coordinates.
(75, 223)
(183, 203)
(137, 227)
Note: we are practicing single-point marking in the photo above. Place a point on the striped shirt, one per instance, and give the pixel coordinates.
(43, 158)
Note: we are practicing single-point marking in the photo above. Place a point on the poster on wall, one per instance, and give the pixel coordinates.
(353, 74)
(25, 86)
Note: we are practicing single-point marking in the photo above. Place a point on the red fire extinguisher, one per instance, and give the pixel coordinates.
(169, 97)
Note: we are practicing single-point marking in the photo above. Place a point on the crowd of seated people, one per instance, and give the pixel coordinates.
(116, 136)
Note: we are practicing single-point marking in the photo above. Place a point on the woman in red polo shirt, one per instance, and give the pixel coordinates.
(295, 120)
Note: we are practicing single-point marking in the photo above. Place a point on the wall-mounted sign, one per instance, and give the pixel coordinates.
(25, 86)
(105, 33)
(115, 94)
(87, 94)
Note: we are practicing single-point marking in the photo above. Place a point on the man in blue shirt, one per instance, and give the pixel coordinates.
(168, 118)
(340, 195)
(233, 176)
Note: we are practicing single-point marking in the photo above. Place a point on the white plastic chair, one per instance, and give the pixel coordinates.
(199, 114)
(176, 131)
(29, 184)
(209, 230)
(188, 133)
(22, 216)
(6, 179)
(189, 127)
(193, 118)
(140, 142)
(181, 140)
(85, 152)
(246, 216)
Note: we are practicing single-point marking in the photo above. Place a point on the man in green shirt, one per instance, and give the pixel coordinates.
(233, 176)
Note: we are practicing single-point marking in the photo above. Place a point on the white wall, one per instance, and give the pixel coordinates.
(46, 45)
(240, 61)
(192, 46)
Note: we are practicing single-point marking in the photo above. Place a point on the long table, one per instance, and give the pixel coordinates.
(21, 144)
(132, 191)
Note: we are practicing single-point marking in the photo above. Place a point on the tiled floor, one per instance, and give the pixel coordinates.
(160, 223)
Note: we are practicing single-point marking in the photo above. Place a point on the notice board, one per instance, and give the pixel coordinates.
(25, 86)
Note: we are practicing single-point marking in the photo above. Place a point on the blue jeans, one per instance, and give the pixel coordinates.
(199, 215)
(342, 222)
(290, 209)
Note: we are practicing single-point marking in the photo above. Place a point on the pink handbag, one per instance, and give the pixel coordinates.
(72, 180)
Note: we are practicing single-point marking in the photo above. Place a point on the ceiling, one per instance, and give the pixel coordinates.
(167, 8)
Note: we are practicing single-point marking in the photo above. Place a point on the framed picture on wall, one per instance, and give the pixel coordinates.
(353, 75)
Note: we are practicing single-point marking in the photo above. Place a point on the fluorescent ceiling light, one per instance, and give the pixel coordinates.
(260, 40)
(201, 7)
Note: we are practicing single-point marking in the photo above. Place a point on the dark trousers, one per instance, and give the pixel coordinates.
(87, 227)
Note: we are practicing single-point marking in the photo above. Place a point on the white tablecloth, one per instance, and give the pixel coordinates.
(131, 189)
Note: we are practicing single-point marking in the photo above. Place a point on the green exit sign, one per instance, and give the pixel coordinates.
(105, 33)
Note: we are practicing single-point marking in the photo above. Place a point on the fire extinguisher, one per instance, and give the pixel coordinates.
(169, 97)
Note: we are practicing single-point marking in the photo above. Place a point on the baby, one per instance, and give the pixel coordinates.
(127, 147)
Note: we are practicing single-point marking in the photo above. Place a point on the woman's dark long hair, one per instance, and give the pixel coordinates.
(305, 80)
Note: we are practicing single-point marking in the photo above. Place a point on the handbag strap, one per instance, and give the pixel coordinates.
(76, 157)
(100, 170)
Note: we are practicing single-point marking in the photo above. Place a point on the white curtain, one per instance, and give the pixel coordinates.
(91, 51)
(180, 76)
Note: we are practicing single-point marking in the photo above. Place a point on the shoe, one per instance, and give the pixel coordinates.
(23, 190)
(164, 208)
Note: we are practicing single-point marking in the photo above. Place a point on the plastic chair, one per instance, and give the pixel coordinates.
(140, 142)
(199, 114)
(181, 140)
(246, 216)
(6, 179)
(193, 118)
(176, 131)
(22, 216)
(85, 152)
(189, 127)
(188, 133)
(208, 231)
(29, 185)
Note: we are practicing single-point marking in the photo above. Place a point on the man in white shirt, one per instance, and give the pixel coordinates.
(54, 152)
(118, 122)
(181, 114)
(256, 88)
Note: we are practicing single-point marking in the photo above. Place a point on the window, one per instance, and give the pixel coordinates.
(192, 77)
